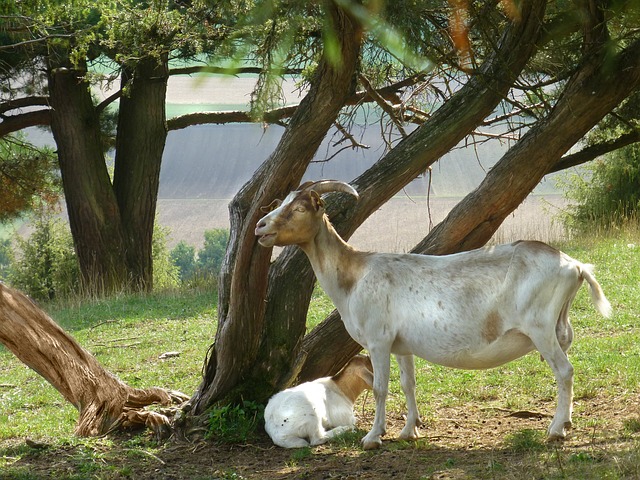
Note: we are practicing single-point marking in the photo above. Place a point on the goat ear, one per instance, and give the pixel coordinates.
(271, 207)
(316, 201)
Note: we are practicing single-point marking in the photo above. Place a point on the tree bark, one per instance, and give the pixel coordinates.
(236, 364)
(112, 224)
(104, 403)
(94, 216)
(142, 132)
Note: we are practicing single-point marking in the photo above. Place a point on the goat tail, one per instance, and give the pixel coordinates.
(597, 295)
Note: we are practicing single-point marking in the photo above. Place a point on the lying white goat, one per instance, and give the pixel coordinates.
(313, 412)
(472, 310)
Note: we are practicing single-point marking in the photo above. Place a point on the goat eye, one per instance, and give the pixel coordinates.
(300, 209)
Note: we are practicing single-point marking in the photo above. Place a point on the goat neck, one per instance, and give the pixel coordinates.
(337, 265)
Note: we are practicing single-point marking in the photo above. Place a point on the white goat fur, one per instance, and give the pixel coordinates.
(471, 310)
(313, 412)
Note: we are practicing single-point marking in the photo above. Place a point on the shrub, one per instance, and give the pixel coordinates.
(6, 258)
(234, 424)
(212, 253)
(201, 269)
(165, 273)
(183, 256)
(46, 266)
(611, 196)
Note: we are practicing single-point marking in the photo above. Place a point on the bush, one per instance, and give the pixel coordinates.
(611, 196)
(165, 273)
(212, 253)
(46, 266)
(201, 269)
(234, 424)
(183, 256)
(6, 259)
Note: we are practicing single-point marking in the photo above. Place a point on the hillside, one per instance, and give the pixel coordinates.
(204, 166)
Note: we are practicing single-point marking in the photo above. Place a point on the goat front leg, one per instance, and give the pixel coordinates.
(408, 382)
(380, 359)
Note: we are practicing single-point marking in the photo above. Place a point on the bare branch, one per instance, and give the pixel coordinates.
(35, 40)
(24, 102)
(15, 123)
(107, 101)
(388, 93)
(383, 104)
(229, 71)
(594, 151)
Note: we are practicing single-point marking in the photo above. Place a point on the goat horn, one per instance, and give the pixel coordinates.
(326, 186)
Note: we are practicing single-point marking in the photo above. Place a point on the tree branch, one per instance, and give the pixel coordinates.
(594, 151)
(229, 71)
(388, 93)
(15, 123)
(24, 102)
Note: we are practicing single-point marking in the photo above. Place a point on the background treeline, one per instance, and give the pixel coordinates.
(45, 265)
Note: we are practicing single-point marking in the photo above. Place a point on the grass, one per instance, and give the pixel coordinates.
(127, 334)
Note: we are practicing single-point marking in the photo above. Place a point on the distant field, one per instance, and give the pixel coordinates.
(397, 226)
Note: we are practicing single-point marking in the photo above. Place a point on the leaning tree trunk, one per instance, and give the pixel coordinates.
(104, 403)
(142, 132)
(594, 90)
(328, 348)
(274, 319)
(94, 216)
(231, 367)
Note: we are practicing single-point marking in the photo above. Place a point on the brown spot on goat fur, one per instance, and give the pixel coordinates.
(350, 270)
(492, 327)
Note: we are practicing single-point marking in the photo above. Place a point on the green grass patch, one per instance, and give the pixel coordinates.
(127, 334)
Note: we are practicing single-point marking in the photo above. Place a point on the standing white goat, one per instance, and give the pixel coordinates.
(313, 412)
(471, 310)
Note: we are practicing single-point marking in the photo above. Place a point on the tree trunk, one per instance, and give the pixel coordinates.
(103, 402)
(236, 364)
(93, 211)
(282, 353)
(112, 225)
(142, 132)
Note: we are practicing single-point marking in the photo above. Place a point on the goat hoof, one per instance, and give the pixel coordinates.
(555, 434)
(368, 444)
(409, 433)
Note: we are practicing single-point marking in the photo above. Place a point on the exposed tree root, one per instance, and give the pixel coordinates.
(104, 403)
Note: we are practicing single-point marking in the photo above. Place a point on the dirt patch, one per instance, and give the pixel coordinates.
(466, 441)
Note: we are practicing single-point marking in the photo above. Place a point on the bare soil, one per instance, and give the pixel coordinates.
(465, 441)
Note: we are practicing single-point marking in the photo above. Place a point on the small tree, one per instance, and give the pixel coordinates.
(183, 256)
(165, 273)
(6, 258)
(46, 266)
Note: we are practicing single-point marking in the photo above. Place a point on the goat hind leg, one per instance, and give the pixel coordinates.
(563, 372)
(408, 382)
